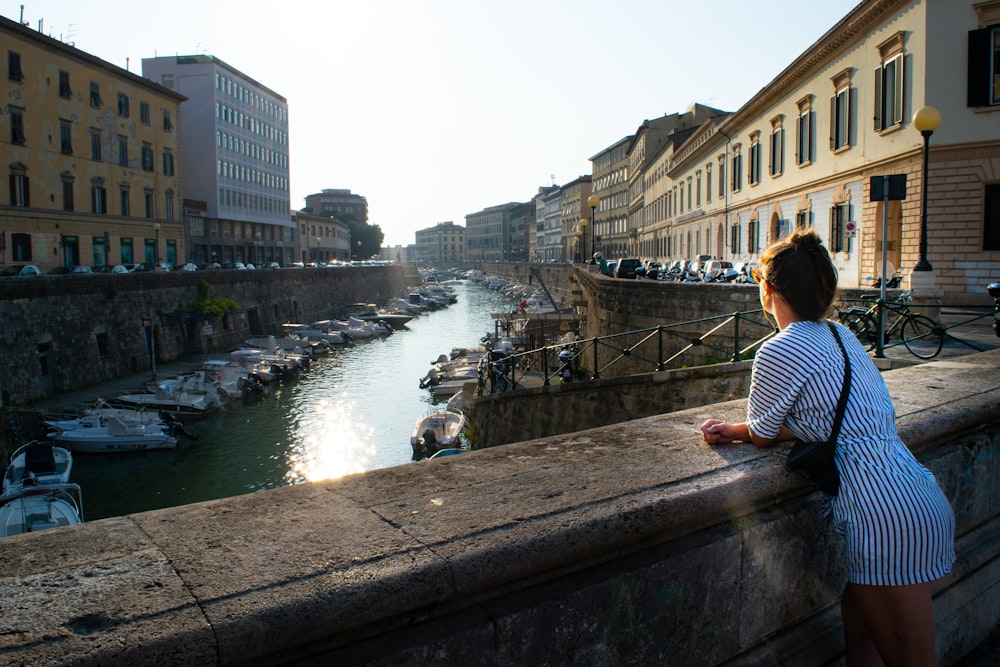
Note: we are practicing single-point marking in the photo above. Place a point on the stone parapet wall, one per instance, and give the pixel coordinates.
(631, 544)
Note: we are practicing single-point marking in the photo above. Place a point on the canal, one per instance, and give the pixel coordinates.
(353, 411)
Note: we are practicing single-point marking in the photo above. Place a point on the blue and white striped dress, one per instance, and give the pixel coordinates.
(898, 525)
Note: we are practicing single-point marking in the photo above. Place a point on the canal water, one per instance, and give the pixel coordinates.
(353, 411)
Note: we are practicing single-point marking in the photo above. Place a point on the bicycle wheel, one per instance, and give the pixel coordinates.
(922, 336)
(863, 326)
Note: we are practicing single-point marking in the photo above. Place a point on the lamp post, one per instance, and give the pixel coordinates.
(925, 120)
(583, 236)
(156, 248)
(592, 202)
(318, 241)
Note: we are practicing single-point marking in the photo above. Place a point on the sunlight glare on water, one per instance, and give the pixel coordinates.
(330, 443)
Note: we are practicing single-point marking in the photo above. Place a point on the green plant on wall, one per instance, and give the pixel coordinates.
(207, 305)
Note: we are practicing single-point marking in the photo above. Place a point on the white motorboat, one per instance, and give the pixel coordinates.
(438, 430)
(111, 433)
(369, 313)
(42, 462)
(37, 493)
(37, 507)
(174, 397)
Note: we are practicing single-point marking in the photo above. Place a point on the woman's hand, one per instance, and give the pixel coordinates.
(718, 432)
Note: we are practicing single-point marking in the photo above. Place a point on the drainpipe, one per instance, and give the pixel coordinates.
(725, 188)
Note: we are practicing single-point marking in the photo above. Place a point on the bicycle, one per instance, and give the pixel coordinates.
(920, 334)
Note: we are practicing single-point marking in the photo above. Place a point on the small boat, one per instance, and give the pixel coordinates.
(438, 430)
(369, 313)
(441, 453)
(111, 433)
(46, 462)
(172, 397)
(38, 507)
(37, 493)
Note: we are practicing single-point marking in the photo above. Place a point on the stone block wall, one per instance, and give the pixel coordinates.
(66, 332)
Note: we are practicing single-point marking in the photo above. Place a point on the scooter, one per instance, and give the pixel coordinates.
(994, 290)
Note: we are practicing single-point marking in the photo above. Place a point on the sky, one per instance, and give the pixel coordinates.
(435, 109)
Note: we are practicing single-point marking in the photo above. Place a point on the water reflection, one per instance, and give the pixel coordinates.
(353, 411)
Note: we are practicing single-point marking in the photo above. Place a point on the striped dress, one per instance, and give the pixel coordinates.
(898, 526)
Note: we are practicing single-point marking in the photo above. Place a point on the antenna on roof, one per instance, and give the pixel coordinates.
(553, 177)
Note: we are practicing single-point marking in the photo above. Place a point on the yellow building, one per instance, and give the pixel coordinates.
(803, 152)
(90, 154)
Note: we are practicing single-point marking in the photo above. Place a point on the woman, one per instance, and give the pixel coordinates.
(897, 524)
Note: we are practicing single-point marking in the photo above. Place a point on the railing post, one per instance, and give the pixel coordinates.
(660, 363)
(880, 327)
(545, 366)
(597, 373)
(736, 336)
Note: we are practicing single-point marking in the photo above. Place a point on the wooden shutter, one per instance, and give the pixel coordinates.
(978, 86)
(897, 106)
(878, 98)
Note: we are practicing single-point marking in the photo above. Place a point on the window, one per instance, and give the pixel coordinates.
(147, 157)
(168, 163)
(19, 187)
(144, 113)
(753, 236)
(123, 105)
(804, 133)
(708, 183)
(889, 84)
(14, 72)
(67, 191)
(122, 151)
(126, 250)
(991, 224)
(776, 160)
(123, 200)
(840, 214)
(722, 176)
(95, 144)
(840, 112)
(16, 125)
(95, 95)
(167, 124)
(753, 166)
(98, 196)
(803, 219)
(65, 90)
(737, 176)
(734, 239)
(66, 137)
(148, 203)
(984, 67)
(169, 202)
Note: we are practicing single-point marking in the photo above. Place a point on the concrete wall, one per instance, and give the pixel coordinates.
(53, 325)
(632, 544)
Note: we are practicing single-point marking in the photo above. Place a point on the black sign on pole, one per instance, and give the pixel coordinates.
(897, 187)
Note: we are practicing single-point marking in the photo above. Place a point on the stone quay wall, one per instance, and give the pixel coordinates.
(630, 544)
(63, 333)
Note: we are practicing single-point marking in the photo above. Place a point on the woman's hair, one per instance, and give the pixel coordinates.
(800, 269)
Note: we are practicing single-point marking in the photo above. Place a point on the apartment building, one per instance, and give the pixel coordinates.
(444, 242)
(91, 155)
(321, 239)
(577, 241)
(803, 152)
(236, 154)
(548, 221)
(336, 200)
(610, 186)
(488, 233)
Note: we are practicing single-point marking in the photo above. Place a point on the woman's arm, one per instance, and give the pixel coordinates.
(717, 432)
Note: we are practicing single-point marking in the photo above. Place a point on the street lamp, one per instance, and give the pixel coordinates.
(156, 248)
(583, 235)
(592, 202)
(926, 120)
(318, 241)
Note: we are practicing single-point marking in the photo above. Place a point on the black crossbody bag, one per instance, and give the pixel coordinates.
(815, 460)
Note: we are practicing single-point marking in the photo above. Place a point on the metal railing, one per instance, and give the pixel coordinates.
(707, 340)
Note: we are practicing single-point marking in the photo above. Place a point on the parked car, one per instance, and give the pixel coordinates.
(66, 270)
(627, 266)
(21, 270)
(190, 266)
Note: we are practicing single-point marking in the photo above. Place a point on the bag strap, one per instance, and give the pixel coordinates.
(844, 390)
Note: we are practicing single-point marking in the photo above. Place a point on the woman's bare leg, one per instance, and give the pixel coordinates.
(859, 649)
(898, 620)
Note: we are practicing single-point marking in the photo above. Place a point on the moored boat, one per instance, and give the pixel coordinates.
(113, 434)
(44, 461)
(436, 431)
(38, 507)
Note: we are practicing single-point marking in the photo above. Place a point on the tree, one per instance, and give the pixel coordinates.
(369, 236)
